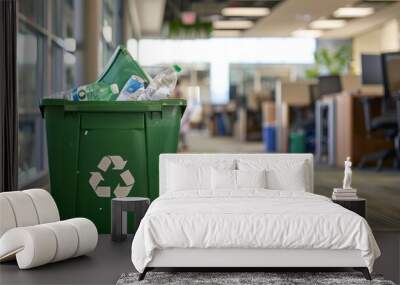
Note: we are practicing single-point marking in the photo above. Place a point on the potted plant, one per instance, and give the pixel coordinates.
(334, 62)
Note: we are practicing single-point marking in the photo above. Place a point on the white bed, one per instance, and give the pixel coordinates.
(280, 225)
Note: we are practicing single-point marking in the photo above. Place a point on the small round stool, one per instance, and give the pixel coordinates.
(119, 208)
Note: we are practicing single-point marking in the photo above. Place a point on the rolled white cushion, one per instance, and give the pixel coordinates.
(67, 240)
(45, 206)
(23, 208)
(7, 218)
(87, 235)
(33, 246)
(37, 245)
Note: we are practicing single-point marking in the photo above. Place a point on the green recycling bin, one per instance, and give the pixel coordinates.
(101, 150)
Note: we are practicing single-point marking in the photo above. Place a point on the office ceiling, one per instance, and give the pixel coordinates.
(293, 15)
(297, 14)
(358, 26)
(209, 10)
(146, 17)
(285, 16)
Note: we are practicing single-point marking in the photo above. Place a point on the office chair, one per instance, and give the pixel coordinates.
(386, 123)
(397, 138)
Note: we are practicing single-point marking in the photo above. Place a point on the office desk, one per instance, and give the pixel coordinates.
(346, 132)
(351, 135)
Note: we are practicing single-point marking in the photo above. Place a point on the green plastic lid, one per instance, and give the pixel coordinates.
(177, 68)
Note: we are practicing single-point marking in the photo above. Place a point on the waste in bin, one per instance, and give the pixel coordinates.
(120, 68)
(99, 150)
(269, 137)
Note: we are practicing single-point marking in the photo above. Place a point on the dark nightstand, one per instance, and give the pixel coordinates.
(358, 206)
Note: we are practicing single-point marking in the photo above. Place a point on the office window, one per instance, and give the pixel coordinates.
(56, 68)
(111, 28)
(69, 60)
(68, 11)
(108, 30)
(63, 18)
(63, 48)
(33, 10)
(57, 12)
(46, 61)
(31, 63)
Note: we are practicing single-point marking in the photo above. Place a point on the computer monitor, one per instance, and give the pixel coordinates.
(391, 73)
(329, 84)
(371, 68)
(314, 92)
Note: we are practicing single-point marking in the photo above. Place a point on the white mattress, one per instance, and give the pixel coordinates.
(252, 219)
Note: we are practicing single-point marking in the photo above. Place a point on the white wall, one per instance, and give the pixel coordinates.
(390, 40)
(384, 38)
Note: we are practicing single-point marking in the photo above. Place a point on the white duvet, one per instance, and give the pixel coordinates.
(250, 219)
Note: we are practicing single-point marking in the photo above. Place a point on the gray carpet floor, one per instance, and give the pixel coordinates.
(103, 266)
(244, 278)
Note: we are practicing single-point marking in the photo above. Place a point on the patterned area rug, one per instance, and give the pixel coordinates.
(268, 278)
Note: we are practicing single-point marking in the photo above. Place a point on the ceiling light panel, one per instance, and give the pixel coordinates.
(327, 24)
(226, 33)
(245, 11)
(353, 12)
(238, 24)
(307, 33)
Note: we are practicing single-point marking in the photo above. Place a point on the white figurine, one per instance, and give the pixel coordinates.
(347, 174)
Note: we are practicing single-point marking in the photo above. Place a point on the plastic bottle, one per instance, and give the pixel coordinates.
(132, 90)
(162, 85)
(97, 91)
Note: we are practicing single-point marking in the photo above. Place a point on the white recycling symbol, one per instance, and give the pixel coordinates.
(126, 176)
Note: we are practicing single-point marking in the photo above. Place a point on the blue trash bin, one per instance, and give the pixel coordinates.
(269, 137)
(220, 124)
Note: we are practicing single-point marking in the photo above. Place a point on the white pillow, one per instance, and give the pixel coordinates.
(223, 179)
(182, 177)
(186, 175)
(281, 174)
(251, 178)
(227, 179)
